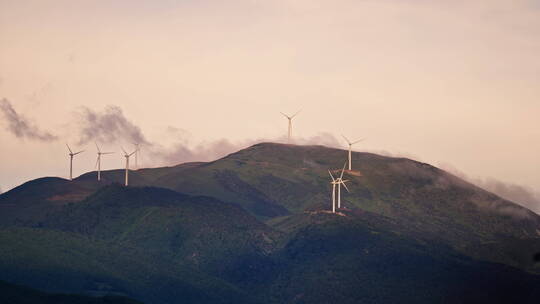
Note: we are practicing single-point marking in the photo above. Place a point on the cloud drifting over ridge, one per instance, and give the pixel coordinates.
(112, 126)
(21, 126)
(107, 127)
(181, 151)
(521, 195)
(515, 193)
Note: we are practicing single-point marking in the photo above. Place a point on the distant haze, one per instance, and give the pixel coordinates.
(454, 82)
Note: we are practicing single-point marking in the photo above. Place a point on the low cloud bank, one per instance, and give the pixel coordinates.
(21, 126)
(181, 151)
(522, 195)
(111, 126)
(108, 126)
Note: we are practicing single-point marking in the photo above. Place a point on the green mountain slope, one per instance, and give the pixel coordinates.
(424, 201)
(201, 230)
(254, 227)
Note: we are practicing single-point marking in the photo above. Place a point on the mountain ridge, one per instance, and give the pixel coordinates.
(251, 225)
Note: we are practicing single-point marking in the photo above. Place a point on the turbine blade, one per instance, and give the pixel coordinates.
(97, 160)
(69, 148)
(107, 153)
(97, 147)
(78, 152)
(296, 114)
(342, 170)
(343, 182)
(357, 141)
(346, 139)
(132, 153)
(285, 115)
(333, 179)
(123, 150)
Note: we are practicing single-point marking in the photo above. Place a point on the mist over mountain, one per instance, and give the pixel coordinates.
(107, 127)
(524, 196)
(22, 127)
(111, 126)
(256, 227)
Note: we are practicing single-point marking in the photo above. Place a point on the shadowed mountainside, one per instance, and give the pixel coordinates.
(14, 294)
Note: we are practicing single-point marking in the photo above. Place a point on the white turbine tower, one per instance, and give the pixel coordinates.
(340, 182)
(126, 155)
(337, 181)
(98, 161)
(334, 183)
(350, 148)
(289, 134)
(71, 154)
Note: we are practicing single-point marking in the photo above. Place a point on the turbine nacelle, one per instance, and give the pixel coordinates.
(127, 155)
(71, 152)
(290, 117)
(102, 153)
(351, 142)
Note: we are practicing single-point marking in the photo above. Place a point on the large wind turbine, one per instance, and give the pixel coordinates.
(337, 181)
(98, 161)
(350, 148)
(334, 183)
(71, 154)
(340, 182)
(289, 134)
(126, 155)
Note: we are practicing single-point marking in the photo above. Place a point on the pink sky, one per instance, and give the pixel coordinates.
(448, 82)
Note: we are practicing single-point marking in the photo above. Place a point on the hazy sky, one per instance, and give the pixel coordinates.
(446, 82)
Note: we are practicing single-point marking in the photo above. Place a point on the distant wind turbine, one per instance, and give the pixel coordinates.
(334, 183)
(340, 182)
(337, 181)
(98, 161)
(71, 154)
(289, 134)
(126, 155)
(350, 148)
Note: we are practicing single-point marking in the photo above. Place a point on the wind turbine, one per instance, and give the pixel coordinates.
(340, 182)
(334, 183)
(289, 134)
(98, 161)
(350, 148)
(126, 155)
(337, 181)
(71, 154)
